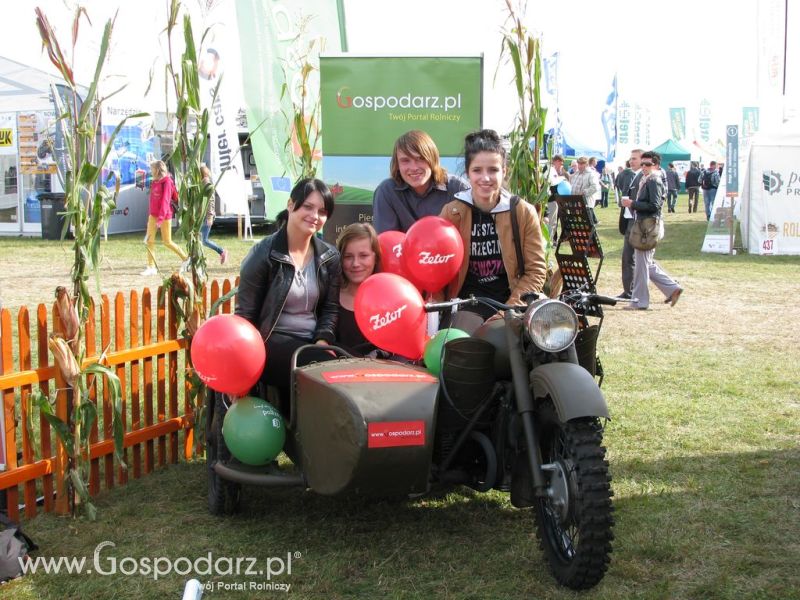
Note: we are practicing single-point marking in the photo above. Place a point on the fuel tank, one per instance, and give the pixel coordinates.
(364, 426)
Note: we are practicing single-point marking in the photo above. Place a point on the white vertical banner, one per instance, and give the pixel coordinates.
(717, 239)
(226, 160)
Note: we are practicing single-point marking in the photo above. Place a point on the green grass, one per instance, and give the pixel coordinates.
(704, 446)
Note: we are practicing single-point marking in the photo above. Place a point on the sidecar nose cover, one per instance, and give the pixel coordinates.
(365, 426)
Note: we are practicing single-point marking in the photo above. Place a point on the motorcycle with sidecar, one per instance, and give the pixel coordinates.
(516, 408)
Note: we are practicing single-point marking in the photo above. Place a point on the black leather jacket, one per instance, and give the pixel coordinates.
(266, 276)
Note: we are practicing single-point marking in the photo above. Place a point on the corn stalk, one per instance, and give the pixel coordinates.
(88, 206)
(191, 133)
(525, 176)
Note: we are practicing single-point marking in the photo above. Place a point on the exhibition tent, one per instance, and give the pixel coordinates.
(23, 88)
(770, 206)
(672, 151)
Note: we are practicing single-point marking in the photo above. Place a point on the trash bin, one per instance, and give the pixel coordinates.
(51, 204)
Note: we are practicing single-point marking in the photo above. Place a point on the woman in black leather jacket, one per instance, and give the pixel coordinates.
(289, 285)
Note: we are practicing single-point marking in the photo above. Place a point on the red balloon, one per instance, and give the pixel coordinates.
(390, 313)
(433, 252)
(228, 354)
(391, 243)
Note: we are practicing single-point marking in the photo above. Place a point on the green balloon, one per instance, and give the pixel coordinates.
(435, 346)
(254, 431)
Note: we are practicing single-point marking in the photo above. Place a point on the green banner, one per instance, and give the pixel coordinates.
(677, 119)
(270, 37)
(749, 121)
(368, 102)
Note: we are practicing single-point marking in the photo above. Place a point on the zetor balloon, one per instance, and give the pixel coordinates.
(228, 354)
(391, 243)
(390, 314)
(432, 252)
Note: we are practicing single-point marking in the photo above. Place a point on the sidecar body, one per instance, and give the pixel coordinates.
(364, 425)
(358, 425)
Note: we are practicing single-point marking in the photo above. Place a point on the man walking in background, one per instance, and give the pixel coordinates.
(693, 185)
(710, 182)
(673, 187)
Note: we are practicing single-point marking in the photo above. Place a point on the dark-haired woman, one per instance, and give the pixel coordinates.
(482, 215)
(289, 285)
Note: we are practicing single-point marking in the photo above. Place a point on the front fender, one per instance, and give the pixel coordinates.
(572, 388)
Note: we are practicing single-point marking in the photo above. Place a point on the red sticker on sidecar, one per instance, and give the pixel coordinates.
(395, 433)
(378, 375)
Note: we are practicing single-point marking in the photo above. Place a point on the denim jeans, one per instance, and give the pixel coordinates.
(672, 198)
(708, 200)
(205, 230)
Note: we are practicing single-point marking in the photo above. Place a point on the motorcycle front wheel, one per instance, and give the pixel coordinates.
(574, 521)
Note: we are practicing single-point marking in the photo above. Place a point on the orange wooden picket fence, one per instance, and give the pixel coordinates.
(144, 352)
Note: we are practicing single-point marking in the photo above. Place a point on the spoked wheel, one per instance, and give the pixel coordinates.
(224, 497)
(574, 522)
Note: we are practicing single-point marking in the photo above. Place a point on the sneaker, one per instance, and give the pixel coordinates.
(223, 258)
(623, 296)
(149, 271)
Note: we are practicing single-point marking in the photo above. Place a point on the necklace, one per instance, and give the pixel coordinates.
(301, 276)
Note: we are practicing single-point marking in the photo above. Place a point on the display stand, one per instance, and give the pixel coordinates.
(577, 243)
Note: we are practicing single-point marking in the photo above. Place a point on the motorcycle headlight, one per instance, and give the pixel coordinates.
(551, 324)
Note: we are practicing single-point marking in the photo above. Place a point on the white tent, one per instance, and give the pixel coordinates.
(770, 209)
(23, 88)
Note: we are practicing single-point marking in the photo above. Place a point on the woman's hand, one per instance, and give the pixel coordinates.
(324, 343)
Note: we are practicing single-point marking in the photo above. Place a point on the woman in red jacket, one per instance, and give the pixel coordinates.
(162, 191)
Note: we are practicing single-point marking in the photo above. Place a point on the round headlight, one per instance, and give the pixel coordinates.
(551, 324)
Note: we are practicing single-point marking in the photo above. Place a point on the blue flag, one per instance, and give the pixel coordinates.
(609, 118)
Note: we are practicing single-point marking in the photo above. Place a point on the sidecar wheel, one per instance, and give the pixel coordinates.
(224, 497)
(574, 522)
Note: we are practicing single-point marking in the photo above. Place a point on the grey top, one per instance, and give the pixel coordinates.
(397, 207)
(298, 317)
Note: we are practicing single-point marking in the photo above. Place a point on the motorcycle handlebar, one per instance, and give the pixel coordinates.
(607, 300)
(437, 306)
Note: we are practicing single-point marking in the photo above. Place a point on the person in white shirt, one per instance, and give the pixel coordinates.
(586, 184)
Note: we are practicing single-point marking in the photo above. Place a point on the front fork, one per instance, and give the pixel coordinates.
(522, 392)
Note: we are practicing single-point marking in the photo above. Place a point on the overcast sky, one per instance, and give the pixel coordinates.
(666, 54)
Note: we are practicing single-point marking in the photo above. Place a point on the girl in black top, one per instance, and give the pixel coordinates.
(360, 254)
